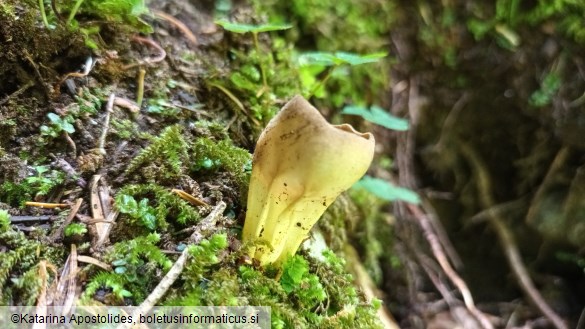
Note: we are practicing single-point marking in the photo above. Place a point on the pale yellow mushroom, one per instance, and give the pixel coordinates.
(301, 164)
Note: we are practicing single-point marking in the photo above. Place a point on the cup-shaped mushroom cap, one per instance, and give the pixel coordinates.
(301, 164)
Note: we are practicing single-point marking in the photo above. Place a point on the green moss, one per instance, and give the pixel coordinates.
(211, 156)
(18, 263)
(139, 265)
(75, 229)
(164, 159)
(124, 128)
(112, 282)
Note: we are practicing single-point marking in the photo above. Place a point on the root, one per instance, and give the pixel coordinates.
(506, 238)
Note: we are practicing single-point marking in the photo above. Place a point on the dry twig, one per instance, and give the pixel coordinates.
(149, 60)
(58, 234)
(109, 111)
(178, 24)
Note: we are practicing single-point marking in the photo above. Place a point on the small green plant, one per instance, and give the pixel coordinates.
(4, 220)
(125, 13)
(203, 255)
(166, 206)
(39, 183)
(254, 29)
(18, 262)
(261, 75)
(314, 63)
(210, 155)
(44, 180)
(139, 212)
(58, 125)
(84, 106)
(543, 96)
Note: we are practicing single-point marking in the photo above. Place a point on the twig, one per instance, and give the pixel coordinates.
(41, 307)
(178, 24)
(87, 67)
(189, 198)
(430, 268)
(20, 219)
(71, 143)
(56, 11)
(45, 205)
(149, 60)
(69, 170)
(442, 235)
(93, 261)
(234, 99)
(140, 86)
(557, 163)
(581, 323)
(58, 235)
(127, 104)
(207, 224)
(72, 280)
(506, 238)
(438, 244)
(109, 111)
(37, 72)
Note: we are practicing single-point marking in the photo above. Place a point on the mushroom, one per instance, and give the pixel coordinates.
(301, 164)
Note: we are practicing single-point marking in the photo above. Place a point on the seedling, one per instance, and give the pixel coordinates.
(44, 180)
(139, 212)
(333, 61)
(254, 29)
(59, 125)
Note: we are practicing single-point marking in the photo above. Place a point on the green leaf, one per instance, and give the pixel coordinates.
(316, 58)
(245, 28)
(119, 262)
(127, 204)
(355, 59)
(149, 220)
(54, 118)
(378, 116)
(338, 58)
(242, 82)
(293, 271)
(386, 190)
(68, 127)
